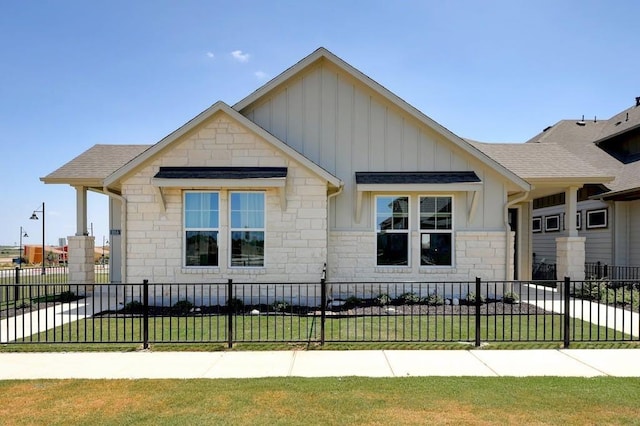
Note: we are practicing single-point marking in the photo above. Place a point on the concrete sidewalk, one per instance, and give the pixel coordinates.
(378, 363)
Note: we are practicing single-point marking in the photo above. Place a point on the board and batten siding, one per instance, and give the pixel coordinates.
(634, 233)
(598, 244)
(345, 127)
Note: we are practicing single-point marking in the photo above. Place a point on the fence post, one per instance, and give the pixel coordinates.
(478, 305)
(145, 317)
(567, 329)
(323, 308)
(598, 270)
(16, 287)
(230, 307)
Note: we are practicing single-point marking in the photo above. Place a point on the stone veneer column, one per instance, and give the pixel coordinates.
(81, 260)
(570, 257)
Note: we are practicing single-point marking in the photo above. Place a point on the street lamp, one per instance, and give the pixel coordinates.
(34, 216)
(22, 234)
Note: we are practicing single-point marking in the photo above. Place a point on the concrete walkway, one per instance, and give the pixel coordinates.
(218, 365)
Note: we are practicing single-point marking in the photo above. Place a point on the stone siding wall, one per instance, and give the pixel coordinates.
(477, 254)
(295, 238)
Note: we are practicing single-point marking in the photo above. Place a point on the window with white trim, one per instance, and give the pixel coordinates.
(392, 230)
(201, 227)
(247, 210)
(436, 229)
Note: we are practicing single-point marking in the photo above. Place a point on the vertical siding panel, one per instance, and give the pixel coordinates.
(294, 116)
(312, 100)
(377, 138)
(262, 115)
(360, 153)
(442, 157)
(410, 152)
(394, 145)
(427, 151)
(344, 205)
(634, 234)
(328, 128)
(279, 116)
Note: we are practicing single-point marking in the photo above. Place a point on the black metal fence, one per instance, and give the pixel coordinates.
(318, 313)
(599, 270)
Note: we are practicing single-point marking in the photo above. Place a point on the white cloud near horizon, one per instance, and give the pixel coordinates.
(240, 56)
(210, 55)
(261, 75)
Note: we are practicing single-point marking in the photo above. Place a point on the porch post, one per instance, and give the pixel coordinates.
(570, 249)
(81, 246)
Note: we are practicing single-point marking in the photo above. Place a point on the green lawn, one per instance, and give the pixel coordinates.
(323, 401)
(306, 329)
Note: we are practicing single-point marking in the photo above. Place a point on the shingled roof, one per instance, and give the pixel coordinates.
(94, 165)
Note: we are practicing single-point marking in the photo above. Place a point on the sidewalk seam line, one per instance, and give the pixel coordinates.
(484, 363)
(562, 351)
(386, 358)
(293, 361)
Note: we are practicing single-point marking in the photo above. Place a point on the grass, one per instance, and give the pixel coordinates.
(286, 331)
(326, 401)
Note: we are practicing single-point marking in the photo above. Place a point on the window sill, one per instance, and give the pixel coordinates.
(200, 270)
(437, 270)
(393, 269)
(239, 270)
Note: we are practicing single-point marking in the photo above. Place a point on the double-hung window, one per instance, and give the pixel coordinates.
(392, 229)
(201, 225)
(436, 225)
(247, 228)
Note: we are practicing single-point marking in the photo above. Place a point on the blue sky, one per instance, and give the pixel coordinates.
(78, 73)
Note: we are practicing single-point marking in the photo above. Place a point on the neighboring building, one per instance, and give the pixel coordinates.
(320, 167)
(608, 215)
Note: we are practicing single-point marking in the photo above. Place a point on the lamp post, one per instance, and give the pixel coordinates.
(22, 234)
(34, 216)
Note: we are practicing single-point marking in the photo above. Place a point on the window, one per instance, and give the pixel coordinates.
(552, 223)
(436, 224)
(392, 228)
(536, 224)
(247, 228)
(201, 225)
(597, 218)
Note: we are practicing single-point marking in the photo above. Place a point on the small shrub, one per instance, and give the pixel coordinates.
(434, 299)
(409, 298)
(133, 306)
(383, 299)
(471, 299)
(510, 297)
(235, 304)
(182, 307)
(352, 302)
(280, 306)
(67, 296)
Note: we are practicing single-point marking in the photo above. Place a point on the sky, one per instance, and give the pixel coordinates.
(78, 73)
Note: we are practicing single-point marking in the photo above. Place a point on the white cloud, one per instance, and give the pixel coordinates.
(261, 75)
(239, 56)
(210, 55)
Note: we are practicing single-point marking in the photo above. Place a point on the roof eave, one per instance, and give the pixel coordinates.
(199, 119)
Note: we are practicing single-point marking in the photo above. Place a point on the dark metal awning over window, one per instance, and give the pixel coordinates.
(222, 177)
(221, 173)
(412, 178)
(427, 182)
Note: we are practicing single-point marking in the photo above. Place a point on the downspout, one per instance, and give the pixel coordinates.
(329, 197)
(123, 232)
(507, 228)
